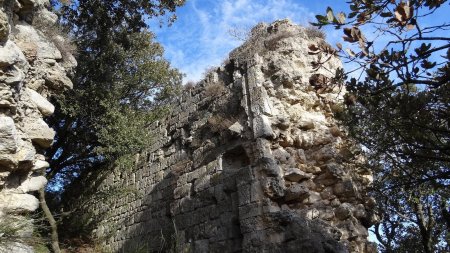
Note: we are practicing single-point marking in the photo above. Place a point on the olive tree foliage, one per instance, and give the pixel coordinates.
(398, 108)
(122, 84)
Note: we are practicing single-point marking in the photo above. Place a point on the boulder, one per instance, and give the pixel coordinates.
(40, 165)
(39, 132)
(6, 97)
(45, 107)
(11, 54)
(295, 175)
(33, 184)
(18, 203)
(8, 136)
(296, 193)
(262, 128)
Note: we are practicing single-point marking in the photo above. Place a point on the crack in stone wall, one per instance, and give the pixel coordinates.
(249, 160)
(32, 68)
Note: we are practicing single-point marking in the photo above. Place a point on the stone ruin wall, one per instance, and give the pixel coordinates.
(32, 68)
(249, 160)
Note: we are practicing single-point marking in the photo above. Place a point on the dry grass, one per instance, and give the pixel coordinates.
(218, 123)
(314, 32)
(238, 33)
(215, 90)
(271, 42)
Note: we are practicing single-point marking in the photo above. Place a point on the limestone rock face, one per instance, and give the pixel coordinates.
(31, 69)
(250, 160)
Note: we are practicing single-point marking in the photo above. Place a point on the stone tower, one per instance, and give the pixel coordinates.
(251, 159)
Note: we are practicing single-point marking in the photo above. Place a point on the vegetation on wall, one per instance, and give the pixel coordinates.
(399, 110)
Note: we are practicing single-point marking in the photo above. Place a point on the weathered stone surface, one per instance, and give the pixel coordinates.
(261, 124)
(295, 175)
(236, 127)
(33, 184)
(58, 80)
(18, 203)
(26, 152)
(4, 27)
(45, 107)
(27, 55)
(16, 247)
(297, 193)
(40, 165)
(6, 96)
(45, 49)
(11, 54)
(8, 136)
(256, 167)
(39, 132)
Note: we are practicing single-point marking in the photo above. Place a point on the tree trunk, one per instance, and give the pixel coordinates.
(425, 230)
(51, 221)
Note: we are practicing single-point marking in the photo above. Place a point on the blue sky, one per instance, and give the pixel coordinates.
(199, 38)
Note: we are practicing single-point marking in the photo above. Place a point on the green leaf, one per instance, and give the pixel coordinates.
(321, 18)
(427, 64)
(352, 15)
(330, 15)
(386, 14)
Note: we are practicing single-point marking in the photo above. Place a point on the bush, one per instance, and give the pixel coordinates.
(272, 41)
(314, 32)
(214, 90)
(218, 123)
(189, 85)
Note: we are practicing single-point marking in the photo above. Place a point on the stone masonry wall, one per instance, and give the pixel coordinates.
(32, 67)
(250, 160)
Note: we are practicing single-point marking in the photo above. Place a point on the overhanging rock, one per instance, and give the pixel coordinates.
(27, 54)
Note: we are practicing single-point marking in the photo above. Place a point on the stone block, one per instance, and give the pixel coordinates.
(10, 54)
(244, 194)
(262, 127)
(8, 136)
(33, 184)
(44, 106)
(39, 132)
(18, 203)
(296, 175)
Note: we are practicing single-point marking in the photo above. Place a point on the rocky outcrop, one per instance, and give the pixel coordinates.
(249, 160)
(32, 68)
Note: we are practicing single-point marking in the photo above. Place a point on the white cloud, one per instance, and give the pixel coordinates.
(200, 38)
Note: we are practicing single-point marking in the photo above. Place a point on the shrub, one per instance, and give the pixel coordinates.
(189, 85)
(214, 90)
(272, 41)
(218, 123)
(314, 32)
